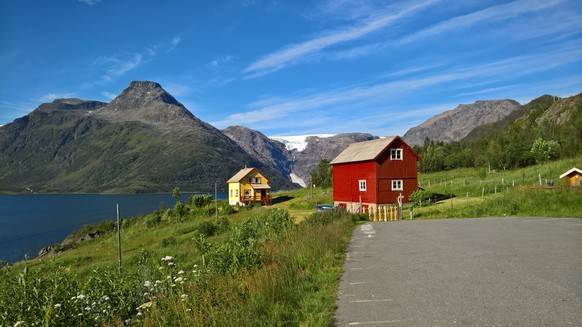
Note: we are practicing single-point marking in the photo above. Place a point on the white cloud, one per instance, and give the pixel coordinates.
(121, 66)
(277, 109)
(90, 2)
(176, 40)
(177, 89)
(290, 54)
(493, 13)
(221, 60)
(109, 95)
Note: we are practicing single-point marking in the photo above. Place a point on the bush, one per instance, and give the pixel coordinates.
(207, 228)
(200, 201)
(154, 220)
(226, 209)
(421, 196)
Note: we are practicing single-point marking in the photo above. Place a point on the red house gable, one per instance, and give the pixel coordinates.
(374, 172)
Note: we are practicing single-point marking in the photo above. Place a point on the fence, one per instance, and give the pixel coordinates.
(384, 213)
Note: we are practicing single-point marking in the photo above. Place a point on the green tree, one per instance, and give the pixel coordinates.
(545, 150)
(321, 175)
(177, 194)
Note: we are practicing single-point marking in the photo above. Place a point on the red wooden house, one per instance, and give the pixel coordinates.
(372, 173)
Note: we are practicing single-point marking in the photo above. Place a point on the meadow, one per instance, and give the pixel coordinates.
(276, 265)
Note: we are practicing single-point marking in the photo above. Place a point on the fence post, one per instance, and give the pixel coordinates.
(540, 178)
(483, 193)
(118, 236)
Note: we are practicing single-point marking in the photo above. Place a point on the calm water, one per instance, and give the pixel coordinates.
(31, 222)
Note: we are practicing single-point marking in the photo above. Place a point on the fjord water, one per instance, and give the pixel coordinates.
(31, 222)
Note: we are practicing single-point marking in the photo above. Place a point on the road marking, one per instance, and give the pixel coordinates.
(358, 283)
(356, 323)
(356, 268)
(368, 229)
(368, 301)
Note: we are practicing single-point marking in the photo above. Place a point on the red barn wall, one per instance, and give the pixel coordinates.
(345, 181)
(405, 169)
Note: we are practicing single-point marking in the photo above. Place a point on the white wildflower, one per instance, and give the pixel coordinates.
(18, 323)
(181, 272)
(88, 308)
(146, 305)
(195, 266)
(57, 306)
(170, 263)
(105, 298)
(128, 321)
(179, 279)
(148, 284)
(167, 258)
(184, 297)
(139, 314)
(158, 282)
(168, 277)
(80, 297)
(173, 285)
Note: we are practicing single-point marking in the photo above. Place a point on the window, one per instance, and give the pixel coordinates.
(235, 192)
(397, 185)
(258, 180)
(362, 184)
(395, 154)
(231, 193)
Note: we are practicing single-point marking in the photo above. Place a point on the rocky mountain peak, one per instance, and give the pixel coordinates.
(70, 104)
(140, 93)
(455, 124)
(147, 102)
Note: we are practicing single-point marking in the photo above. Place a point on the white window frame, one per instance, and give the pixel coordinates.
(364, 183)
(401, 188)
(396, 154)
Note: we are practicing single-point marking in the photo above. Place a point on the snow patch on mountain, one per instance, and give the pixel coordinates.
(296, 142)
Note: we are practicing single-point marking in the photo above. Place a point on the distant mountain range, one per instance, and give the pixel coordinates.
(455, 124)
(144, 140)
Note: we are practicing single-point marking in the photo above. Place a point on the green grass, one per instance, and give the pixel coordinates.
(477, 193)
(461, 181)
(262, 271)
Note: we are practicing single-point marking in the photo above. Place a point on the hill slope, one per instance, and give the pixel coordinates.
(455, 124)
(143, 141)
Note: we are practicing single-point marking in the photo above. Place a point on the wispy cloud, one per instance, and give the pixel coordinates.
(292, 53)
(273, 109)
(221, 60)
(114, 66)
(108, 95)
(176, 40)
(90, 2)
(493, 13)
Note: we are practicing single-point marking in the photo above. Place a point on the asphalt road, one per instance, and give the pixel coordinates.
(464, 272)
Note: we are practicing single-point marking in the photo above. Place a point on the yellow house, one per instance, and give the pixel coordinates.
(573, 177)
(249, 185)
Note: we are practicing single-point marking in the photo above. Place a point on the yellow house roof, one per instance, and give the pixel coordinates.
(240, 175)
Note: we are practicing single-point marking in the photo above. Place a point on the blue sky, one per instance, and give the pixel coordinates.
(292, 67)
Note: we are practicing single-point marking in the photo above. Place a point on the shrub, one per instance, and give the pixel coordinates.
(422, 196)
(326, 217)
(200, 201)
(226, 209)
(154, 220)
(207, 228)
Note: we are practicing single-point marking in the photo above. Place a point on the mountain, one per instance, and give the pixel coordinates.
(296, 156)
(268, 151)
(143, 141)
(318, 148)
(455, 124)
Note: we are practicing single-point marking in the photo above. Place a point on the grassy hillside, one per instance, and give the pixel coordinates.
(474, 192)
(181, 266)
(257, 266)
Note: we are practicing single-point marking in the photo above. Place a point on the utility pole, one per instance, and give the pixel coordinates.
(118, 237)
(216, 199)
